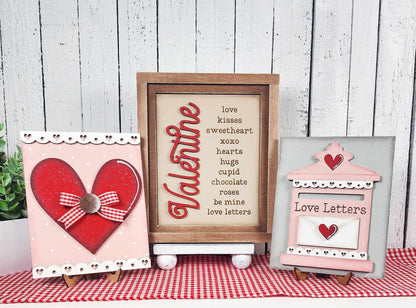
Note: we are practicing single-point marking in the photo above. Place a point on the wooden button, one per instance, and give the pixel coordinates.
(90, 203)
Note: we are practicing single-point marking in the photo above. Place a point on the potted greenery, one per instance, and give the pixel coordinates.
(14, 229)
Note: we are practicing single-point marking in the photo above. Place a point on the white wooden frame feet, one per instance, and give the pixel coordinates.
(167, 253)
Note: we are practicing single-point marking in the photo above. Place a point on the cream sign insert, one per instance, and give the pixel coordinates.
(208, 159)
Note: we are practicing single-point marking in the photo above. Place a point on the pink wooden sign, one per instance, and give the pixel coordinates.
(85, 201)
(330, 213)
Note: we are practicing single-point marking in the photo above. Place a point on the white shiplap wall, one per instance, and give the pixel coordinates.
(347, 67)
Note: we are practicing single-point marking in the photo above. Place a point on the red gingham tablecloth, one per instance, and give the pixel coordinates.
(205, 276)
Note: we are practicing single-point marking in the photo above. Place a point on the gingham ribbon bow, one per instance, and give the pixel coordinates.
(107, 200)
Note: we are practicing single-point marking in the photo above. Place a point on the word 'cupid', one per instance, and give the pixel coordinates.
(186, 142)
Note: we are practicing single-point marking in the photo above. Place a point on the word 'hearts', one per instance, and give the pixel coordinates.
(52, 176)
(326, 232)
(333, 162)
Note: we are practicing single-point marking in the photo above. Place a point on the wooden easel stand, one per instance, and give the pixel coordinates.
(71, 281)
(344, 280)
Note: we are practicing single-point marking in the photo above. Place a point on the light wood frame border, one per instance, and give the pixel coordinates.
(267, 85)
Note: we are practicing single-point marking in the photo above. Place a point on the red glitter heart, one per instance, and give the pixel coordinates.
(333, 162)
(52, 176)
(326, 232)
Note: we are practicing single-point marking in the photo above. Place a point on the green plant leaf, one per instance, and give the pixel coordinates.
(2, 190)
(18, 154)
(6, 179)
(19, 196)
(1, 126)
(11, 215)
(24, 213)
(12, 165)
(14, 206)
(15, 186)
(4, 206)
(10, 197)
(19, 188)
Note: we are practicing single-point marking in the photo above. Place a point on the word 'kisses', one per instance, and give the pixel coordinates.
(187, 139)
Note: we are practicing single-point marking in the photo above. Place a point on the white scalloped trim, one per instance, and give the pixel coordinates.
(327, 253)
(333, 184)
(90, 268)
(84, 138)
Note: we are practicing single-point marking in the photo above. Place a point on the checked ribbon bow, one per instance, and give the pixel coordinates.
(105, 210)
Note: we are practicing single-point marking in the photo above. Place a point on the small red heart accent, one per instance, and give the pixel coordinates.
(326, 232)
(52, 176)
(333, 162)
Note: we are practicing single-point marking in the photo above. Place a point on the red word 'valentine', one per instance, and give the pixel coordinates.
(185, 146)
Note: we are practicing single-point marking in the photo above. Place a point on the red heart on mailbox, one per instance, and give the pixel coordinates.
(333, 162)
(326, 232)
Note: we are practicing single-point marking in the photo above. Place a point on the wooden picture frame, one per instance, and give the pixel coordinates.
(164, 100)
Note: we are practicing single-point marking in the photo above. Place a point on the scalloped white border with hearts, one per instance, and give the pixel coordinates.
(90, 268)
(79, 137)
(327, 253)
(333, 184)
